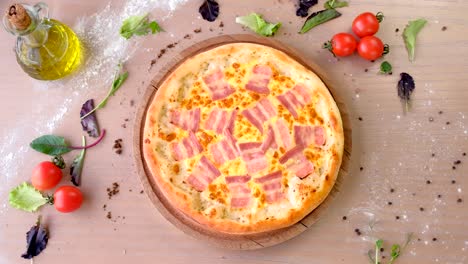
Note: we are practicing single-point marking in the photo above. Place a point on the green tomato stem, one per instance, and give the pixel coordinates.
(380, 16)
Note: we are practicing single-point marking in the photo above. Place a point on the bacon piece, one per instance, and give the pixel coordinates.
(187, 148)
(295, 99)
(306, 135)
(187, 120)
(203, 175)
(260, 78)
(226, 149)
(220, 120)
(260, 113)
(299, 164)
(291, 153)
(240, 192)
(218, 87)
(278, 136)
(254, 156)
(271, 184)
(269, 141)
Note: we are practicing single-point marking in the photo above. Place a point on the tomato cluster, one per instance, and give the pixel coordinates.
(46, 175)
(369, 46)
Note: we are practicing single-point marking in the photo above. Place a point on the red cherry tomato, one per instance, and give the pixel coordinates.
(67, 199)
(46, 176)
(370, 48)
(342, 44)
(366, 24)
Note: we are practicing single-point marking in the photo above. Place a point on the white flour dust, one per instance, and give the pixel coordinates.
(104, 50)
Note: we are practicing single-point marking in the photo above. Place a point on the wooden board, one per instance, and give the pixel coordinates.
(188, 225)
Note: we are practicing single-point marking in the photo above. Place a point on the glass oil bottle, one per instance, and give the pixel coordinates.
(46, 49)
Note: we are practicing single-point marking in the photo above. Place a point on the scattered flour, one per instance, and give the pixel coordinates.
(104, 50)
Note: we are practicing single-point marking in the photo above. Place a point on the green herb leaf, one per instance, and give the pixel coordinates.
(331, 4)
(139, 26)
(371, 256)
(118, 81)
(378, 246)
(26, 197)
(115, 86)
(410, 33)
(386, 67)
(318, 18)
(50, 145)
(395, 253)
(256, 23)
(77, 165)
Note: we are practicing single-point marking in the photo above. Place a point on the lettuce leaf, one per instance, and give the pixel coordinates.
(410, 33)
(26, 197)
(256, 23)
(139, 26)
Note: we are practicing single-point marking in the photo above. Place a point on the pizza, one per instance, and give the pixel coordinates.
(243, 139)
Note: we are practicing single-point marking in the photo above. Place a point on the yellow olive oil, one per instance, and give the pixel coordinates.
(46, 49)
(59, 55)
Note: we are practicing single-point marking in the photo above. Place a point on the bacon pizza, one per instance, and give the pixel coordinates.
(243, 139)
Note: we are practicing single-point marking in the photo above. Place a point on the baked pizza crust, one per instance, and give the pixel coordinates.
(183, 200)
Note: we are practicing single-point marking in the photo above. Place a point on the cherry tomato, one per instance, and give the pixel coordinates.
(67, 199)
(370, 48)
(46, 175)
(366, 24)
(342, 44)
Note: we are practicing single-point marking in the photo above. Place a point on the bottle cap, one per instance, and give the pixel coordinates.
(18, 17)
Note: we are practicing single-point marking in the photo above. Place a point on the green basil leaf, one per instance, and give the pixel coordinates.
(395, 252)
(50, 145)
(118, 82)
(386, 67)
(410, 33)
(77, 165)
(115, 86)
(331, 4)
(256, 23)
(318, 18)
(26, 197)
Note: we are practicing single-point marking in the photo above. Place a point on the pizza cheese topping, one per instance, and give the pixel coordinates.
(219, 144)
(250, 138)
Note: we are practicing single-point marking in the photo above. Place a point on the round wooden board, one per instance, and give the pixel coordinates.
(187, 224)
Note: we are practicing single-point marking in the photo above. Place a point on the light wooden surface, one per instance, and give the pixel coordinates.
(188, 225)
(393, 149)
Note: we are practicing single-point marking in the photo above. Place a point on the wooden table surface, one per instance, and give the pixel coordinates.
(391, 150)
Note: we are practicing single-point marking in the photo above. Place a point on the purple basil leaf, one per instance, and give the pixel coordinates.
(209, 10)
(36, 239)
(77, 165)
(89, 123)
(304, 6)
(406, 87)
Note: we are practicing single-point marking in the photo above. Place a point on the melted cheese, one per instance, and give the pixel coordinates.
(215, 200)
